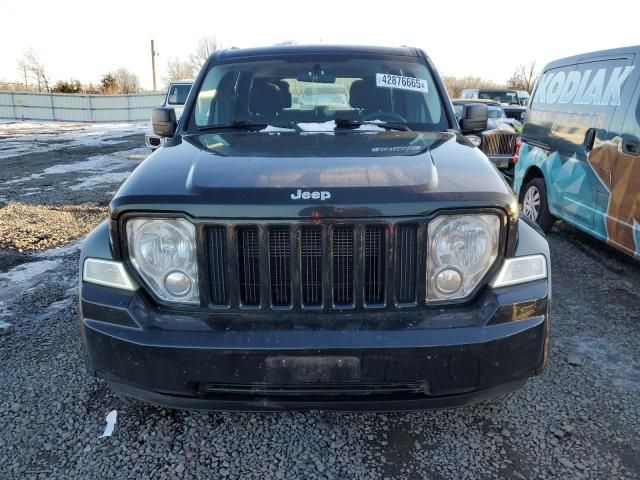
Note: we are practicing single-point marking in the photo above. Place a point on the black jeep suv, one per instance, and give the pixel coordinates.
(357, 253)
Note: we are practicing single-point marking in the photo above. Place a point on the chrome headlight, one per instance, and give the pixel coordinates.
(163, 252)
(462, 249)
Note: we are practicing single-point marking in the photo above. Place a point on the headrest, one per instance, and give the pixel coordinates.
(265, 99)
(364, 95)
(285, 91)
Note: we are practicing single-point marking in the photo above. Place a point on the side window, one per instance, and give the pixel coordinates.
(215, 100)
(631, 127)
(570, 99)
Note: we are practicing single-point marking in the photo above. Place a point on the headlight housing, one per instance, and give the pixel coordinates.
(462, 249)
(163, 252)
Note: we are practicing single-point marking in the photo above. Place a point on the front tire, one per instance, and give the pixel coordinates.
(535, 205)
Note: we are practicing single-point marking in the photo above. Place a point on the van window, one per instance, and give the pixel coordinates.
(570, 99)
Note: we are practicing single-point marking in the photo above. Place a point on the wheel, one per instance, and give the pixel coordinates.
(535, 205)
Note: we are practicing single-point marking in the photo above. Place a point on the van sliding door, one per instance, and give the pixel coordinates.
(623, 207)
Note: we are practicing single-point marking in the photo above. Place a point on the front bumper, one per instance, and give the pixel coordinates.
(394, 360)
(289, 369)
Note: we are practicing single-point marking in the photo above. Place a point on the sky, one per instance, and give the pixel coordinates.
(85, 39)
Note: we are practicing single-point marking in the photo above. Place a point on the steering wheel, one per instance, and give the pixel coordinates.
(385, 117)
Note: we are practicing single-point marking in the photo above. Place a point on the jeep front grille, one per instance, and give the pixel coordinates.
(406, 263)
(279, 262)
(374, 264)
(249, 266)
(311, 266)
(497, 142)
(218, 271)
(342, 265)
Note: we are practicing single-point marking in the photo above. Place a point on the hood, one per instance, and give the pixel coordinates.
(286, 174)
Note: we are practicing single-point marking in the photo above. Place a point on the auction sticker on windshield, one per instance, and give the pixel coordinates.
(398, 81)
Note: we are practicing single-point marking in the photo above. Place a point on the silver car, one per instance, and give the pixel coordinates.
(176, 97)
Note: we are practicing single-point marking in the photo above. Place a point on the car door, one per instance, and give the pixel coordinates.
(623, 212)
(581, 175)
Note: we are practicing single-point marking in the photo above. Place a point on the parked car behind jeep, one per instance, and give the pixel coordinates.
(176, 97)
(364, 256)
(500, 139)
(510, 100)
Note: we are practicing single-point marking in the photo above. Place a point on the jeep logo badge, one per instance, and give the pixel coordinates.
(306, 195)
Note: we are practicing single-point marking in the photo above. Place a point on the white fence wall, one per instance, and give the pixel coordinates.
(78, 108)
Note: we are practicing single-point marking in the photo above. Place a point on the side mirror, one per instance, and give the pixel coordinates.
(164, 121)
(474, 118)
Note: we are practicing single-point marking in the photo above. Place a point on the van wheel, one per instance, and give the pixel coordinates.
(535, 205)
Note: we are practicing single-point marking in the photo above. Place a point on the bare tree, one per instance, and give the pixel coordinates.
(524, 77)
(70, 86)
(126, 81)
(455, 85)
(31, 64)
(206, 46)
(108, 84)
(178, 70)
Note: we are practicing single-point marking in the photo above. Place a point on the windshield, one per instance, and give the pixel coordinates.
(320, 95)
(178, 94)
(320, 88)
(510, 98)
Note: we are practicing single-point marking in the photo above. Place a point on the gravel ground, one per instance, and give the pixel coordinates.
(581, 419)
(39, 227)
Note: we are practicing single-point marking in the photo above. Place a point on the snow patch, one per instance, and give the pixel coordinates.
(28, 137)
(272, 129)
(26, 276)
(370, 128)
(20, 279)
(329, 126)
(100, 164)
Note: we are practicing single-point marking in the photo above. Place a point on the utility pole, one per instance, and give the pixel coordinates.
(26, 87)
(153, 64)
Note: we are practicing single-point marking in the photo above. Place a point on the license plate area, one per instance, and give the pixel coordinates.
(285, 370)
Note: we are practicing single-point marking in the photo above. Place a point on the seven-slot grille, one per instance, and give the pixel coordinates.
(275, 267)
(497, 142)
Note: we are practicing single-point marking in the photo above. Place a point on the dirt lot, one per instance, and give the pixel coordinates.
(581, 419)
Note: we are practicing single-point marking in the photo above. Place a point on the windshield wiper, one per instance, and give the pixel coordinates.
(346, 123)
(247, 125)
